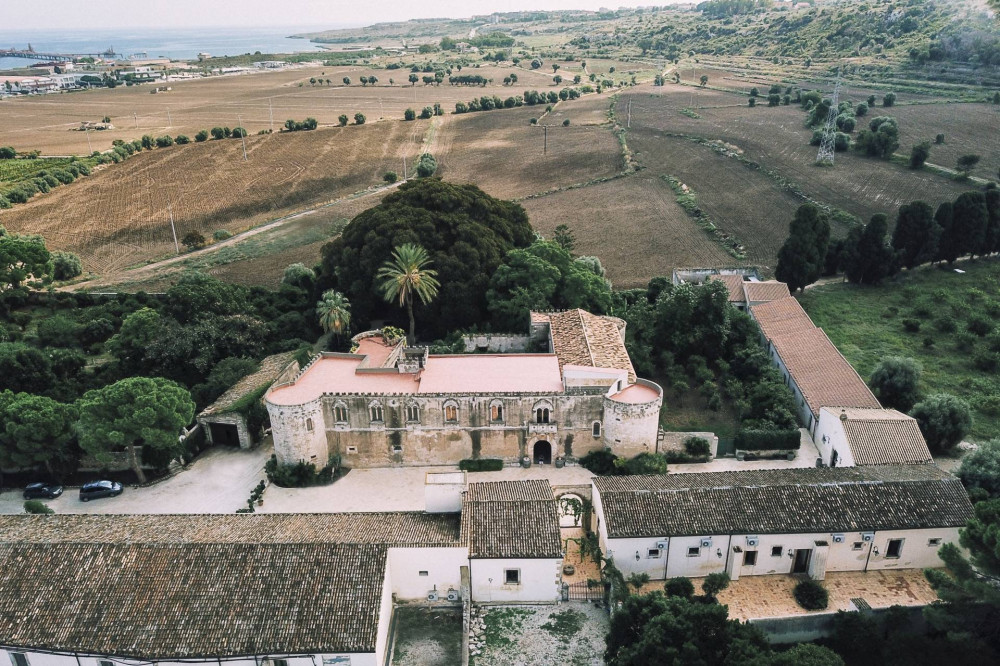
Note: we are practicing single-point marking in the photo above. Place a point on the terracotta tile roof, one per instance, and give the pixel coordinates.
(883, 437)
(269, 370)
(734, 285)
(515, 519)
(196, 600)
(821, 372)
(404, 528)
(786, 501)
(762, 292)
(581, 338)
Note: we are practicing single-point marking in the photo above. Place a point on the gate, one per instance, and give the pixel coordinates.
(583, 591)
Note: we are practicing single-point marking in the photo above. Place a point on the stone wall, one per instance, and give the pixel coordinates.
(496, 343)
(632, 428)
(674, 441)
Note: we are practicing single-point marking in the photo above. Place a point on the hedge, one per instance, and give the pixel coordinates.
(766, 440)
(481, 465)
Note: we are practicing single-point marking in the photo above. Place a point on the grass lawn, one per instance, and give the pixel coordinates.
(689, 413)
(948, 321)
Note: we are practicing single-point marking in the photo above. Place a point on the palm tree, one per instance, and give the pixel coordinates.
(334, 312)
(407, 274)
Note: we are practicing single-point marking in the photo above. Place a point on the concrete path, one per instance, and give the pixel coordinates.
(219, 481)
(397, 488)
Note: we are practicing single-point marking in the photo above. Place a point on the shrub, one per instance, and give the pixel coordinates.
(426, 166)
(66, 265)
(182, 140)
(679, 587)
(945, 324)
(359, 118)
(390, 177)
(566, 123)
(811, 595)
(943, 419)
(193, 240)
(895, 382)
(58, 331)
(939, 139)
(911, 325)
(201, 136)
(981, 468)
(979, 325)
(221, 235)
(164, 141)
(751, 439)
(644, 463)
(964, 341)
(715, 583)
(409, 114)
(697, 446)
(37, 507)
(481, 465)
(299, 475)
(342, 119)
(601, 463)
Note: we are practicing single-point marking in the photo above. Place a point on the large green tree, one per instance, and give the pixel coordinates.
(895, 382)
(23, 258)
(138, 411)
(24, 368)
(970, 220)
(35, 431)
(334, 312)
(867, 258)
(980, 469)
(802, 257)
(466, 234)
(949, 245)
(406, 277)
(916, 234)
(943, 419)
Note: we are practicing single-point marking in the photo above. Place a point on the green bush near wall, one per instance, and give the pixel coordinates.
(481, 465)
(768, 440)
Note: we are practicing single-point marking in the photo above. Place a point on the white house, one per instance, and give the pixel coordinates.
(779, 521)
(851, 436)
(511, 529)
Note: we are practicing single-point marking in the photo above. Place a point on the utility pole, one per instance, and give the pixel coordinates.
(86, 131)
(404, 167)
(628, 122)
(135, 119)
(381, 111)
(270, 113)
(545, 140)
(170, 121)
(243, 137)
(173, 229)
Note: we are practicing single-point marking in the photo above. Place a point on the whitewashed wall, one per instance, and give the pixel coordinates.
(832, 429)
(917, 553)
(384, 622)
(443, 567)
(541, 580)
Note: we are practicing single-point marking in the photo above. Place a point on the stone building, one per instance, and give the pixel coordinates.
(387, 404)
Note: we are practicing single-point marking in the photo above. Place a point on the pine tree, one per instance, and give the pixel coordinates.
(947, 250)
(916, 234)
(801, 259)
(969, 223)
(870, 259)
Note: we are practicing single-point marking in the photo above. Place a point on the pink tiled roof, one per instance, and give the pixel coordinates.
(762, 292)
(636, 394)
(581, 338)
(734, 284)
(469, 373)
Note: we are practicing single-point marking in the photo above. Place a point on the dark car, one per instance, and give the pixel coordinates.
(42, 490)
(95, 489)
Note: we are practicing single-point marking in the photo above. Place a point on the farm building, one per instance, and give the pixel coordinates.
(780, 521)
(305, 588)
(848, 437)
(387, 404)
(227, 420)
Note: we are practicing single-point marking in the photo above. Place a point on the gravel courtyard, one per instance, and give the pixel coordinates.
(570, 634)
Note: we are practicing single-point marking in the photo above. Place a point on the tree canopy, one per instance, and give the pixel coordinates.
(466, 233)
(801, 259)
(22, 258)
(35, 431)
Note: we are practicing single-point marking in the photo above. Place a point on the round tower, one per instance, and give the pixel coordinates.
(299, 433)
(632, 418)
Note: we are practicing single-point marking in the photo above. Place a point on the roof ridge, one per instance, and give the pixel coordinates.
(586, 335)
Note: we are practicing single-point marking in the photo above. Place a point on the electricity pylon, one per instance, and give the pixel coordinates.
(828, 145)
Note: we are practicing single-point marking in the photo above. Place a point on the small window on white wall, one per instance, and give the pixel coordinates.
(18, 659)
(421, 573)
(934, 542)
(512, 576)
(352, 449)
(694, 551)
(105, 662)
(279, 662)
(653, 553)
(597, 429)
(750, 558)
(776, 551)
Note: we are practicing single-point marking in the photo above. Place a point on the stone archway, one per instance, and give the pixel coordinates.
(542, 453)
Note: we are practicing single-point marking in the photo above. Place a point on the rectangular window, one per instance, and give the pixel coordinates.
(694, 551)
(934, 542)
(376, 413)
(18, 659)
(279, 662)
(352, 449)
(895, 548)
(653, 553)
(413, 414)
(512, 576)
(309, 425)
(421, 573)
(776, 551)
(397, 448)
(451, 414)
(340, 414)
(105, 662)
(597, 428)
(750, 558)
(858, 545)
(496, 413)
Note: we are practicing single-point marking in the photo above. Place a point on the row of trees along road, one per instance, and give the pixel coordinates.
(969, 226)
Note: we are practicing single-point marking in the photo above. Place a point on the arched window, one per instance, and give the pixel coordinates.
(597, 428)
(451, 412)
(542, 415)
(375, 411)
(412, 413)
(340, 413)
(496, 411)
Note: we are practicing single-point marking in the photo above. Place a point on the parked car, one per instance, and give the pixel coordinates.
(95, 489)
(42, 491)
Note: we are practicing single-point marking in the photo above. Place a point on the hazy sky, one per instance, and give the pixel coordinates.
(320, 14)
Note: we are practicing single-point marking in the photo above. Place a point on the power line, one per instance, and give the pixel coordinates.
(828, 145)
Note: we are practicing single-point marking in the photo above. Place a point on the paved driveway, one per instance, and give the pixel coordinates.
(219, 481)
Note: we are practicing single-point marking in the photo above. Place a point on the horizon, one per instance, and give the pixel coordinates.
(309, 15)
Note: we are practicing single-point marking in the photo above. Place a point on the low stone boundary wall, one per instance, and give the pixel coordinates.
(806, 628)
(674, 441)
(496, 343)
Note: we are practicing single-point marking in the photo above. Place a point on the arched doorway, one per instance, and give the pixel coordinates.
(570, 510)
(543, 453)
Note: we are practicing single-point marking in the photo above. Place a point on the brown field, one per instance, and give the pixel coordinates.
(502, 153)
(120, 216)
(633, 224)
(776, 138)
(587, 110)
(967, 128)
(48, 122)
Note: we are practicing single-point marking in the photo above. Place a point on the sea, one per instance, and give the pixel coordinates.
(181, 44)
